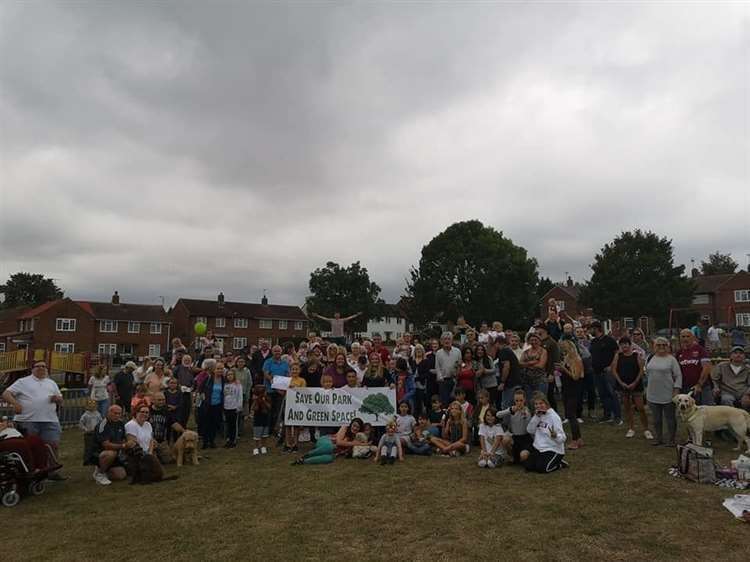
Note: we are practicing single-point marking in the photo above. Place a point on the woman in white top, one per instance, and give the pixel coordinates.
(139, 431)
(549, 437)
(99, 392)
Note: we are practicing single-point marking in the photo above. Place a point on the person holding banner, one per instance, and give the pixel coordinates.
(275, 366)
(291, 433)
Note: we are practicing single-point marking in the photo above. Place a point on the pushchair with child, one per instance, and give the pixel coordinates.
(25, 464)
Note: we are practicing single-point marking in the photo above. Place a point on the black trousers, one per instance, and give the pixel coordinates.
(572, 398)
(230, 423)
(213, 423)
(185, 407)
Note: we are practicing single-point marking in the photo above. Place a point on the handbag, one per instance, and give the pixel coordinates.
(696, 463)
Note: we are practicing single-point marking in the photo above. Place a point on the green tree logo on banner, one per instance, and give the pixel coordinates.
(377, 404)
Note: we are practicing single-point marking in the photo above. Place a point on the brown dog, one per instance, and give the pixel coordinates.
(187, 443)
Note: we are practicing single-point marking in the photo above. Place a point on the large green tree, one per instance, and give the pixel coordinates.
(634, 276)
(473, 270)
(29, 289)
(346, 290)
(719, 263)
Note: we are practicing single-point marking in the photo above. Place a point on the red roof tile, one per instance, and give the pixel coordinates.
(34, 312)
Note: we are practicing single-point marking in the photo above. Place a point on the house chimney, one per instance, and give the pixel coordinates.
(569, 282)
(221, 299)
(264, 300)
(115, 298)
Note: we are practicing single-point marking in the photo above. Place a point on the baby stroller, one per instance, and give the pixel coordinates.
(16, 477)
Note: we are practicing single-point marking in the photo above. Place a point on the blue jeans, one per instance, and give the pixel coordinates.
(102, 406)
(605, 384)
(531, 389)
(445, 389)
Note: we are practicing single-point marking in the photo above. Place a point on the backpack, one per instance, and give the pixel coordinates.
(696, 463)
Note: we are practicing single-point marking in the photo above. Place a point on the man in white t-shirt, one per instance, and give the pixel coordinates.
(713, 338)
(35, 399)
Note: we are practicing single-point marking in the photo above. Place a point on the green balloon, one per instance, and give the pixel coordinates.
(200, 328)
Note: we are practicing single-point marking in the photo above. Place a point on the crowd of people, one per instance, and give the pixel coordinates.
(516, 397)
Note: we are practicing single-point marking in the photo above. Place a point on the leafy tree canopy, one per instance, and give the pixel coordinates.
(346, 290)
(719, 263)
(635, 275)
(473, 270)
(29, 289)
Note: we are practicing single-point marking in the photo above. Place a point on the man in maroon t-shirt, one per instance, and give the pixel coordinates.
(377, 345)
(696, 368)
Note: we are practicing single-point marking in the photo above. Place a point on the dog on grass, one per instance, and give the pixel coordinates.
(712, 418)
(186, 444)
(145, 469)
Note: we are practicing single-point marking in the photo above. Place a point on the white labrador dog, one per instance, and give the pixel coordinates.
(713, 418)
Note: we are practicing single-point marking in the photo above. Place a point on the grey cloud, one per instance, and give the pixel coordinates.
(186, 148)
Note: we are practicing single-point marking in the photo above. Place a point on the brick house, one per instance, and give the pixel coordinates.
(566, 296)
(111, 328)
(723, 299)
(238, 325)
(9, 333)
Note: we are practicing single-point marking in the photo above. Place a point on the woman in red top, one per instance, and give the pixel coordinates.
(467, 376)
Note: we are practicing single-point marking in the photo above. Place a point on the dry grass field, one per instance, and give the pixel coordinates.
(616, 502)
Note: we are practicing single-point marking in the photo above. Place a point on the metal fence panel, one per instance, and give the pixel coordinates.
(74, 404)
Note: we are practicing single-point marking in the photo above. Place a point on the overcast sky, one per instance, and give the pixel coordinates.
(179, 149)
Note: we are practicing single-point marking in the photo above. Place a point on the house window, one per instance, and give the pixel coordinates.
(299, 325)
(702, 299)
(128, 349)
(221, 322)
(134, 327)
(282, 324)
(107, 349)
(399, 321)
(155, 328)
(154, 349)
(2, 346)
(241, 323)
(28, 325)
(743, 295)
(266, 324)
(108, 326)
(65, 325)
(560, 306)
(743, 318)
(629, 323)
(239, 343)
(65, 347)
(201, 319)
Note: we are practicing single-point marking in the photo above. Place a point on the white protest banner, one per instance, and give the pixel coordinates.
(280, 382)
(339, 406)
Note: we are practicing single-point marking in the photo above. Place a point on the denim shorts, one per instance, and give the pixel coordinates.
(261, 431)
(48, 432)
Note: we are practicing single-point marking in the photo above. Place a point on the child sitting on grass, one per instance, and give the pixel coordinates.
(455, 439)
(89, 421)
(419, 441)
(405, 422)
(492, 440)
(389, 447)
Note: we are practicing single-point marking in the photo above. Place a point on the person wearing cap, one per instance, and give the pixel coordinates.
(732, 380)
(124, 384)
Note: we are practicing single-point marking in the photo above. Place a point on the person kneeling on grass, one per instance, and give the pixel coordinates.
(389, 447)
(111, 444)
(492, 440)
(455, 439)
(419, 441)
(518, 420)
(548, 450)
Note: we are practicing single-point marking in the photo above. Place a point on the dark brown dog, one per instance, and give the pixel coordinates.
(145, 469)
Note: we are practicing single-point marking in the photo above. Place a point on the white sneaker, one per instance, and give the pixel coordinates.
(263, 450)
(256, 452)
(648, 435)
(565, 421)
(579, 420)
(101, 478)
(490, 464)
(630, 433)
